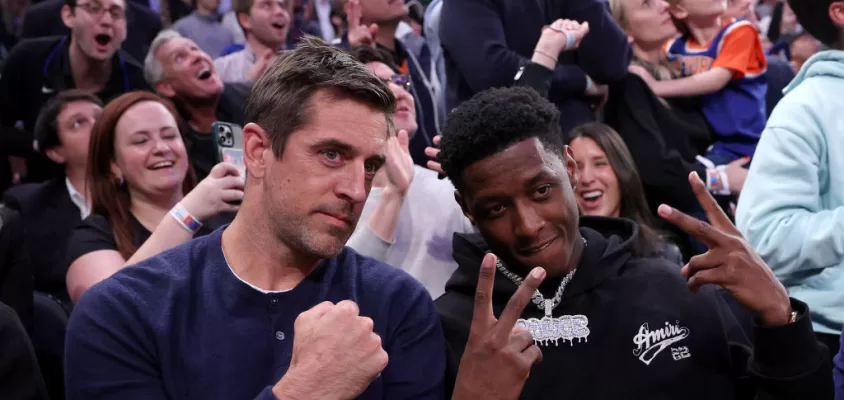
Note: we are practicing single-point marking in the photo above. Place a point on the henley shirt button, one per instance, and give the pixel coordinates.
(274, 301)
(279, 335)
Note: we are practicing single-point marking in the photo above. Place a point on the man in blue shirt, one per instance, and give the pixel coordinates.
(273, 306)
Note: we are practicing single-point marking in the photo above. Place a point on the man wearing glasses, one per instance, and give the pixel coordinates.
(89, 59)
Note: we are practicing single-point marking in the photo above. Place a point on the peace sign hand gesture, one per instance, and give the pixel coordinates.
(359, 35)
(498, 357)
(730, 262)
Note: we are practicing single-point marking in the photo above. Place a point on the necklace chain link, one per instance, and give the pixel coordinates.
(537, 296)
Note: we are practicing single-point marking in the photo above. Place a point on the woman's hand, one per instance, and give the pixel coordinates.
(562, 35)
(554, 37)
(432, 153)
(399, 166)
(220, 192)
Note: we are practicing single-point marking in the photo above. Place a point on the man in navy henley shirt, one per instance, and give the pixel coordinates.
(273, 306)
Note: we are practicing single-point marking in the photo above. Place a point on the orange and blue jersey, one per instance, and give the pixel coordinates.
(736, 113)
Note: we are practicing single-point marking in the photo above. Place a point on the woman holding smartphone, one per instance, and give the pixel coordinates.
(145, 198)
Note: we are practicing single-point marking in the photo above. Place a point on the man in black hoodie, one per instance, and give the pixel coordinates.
(609, 325)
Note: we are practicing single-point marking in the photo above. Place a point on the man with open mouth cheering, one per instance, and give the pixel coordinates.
(88, 59)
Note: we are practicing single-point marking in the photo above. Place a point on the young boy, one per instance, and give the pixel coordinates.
(792, 206)
(721, 60)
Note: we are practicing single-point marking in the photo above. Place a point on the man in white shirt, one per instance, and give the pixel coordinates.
(50, 210)
(266, 24)
(410, 215)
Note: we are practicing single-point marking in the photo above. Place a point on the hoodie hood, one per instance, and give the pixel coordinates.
(609, 244)
(829, 63)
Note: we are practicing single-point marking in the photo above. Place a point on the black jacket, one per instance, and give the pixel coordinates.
(663, 140)
(485, 42)
(15, 274)
(142, 24)
(49, 217)
(627, 298)
(20, 377)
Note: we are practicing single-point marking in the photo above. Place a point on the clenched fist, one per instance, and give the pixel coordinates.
(336, 354)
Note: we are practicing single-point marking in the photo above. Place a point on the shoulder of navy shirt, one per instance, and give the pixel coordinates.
(182, 325)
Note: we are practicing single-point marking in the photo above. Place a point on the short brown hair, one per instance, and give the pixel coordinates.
(109, 197)
(280, 101)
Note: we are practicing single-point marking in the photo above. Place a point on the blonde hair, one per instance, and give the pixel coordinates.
(660, 71)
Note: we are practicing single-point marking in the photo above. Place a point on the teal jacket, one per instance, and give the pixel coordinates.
(791, 208)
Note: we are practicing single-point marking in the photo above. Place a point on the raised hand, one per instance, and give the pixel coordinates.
(359, 35)
(556, 37)
(262, 64)
(336, 354)
(729, 262)
(399, 166)
(498, 357)
(432, 153)
(221, 191)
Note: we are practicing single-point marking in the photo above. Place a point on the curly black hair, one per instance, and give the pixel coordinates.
(494, 120)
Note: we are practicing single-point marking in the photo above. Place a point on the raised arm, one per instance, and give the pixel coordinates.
(374, 236)
(474, 39)
(216, 193)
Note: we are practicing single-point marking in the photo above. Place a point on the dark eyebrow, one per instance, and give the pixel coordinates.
(333, 143)
(542, 175)
(379, 159)
(347, 148)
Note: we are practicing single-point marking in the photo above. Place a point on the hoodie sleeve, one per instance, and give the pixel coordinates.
(782, 363)
(787, 362)
(781, 210)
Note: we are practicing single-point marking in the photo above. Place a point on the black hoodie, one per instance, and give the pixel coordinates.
(625, 298)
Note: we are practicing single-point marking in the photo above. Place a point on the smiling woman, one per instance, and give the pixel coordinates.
(609, 185)
(138, 171)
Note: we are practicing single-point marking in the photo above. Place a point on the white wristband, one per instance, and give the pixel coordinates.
(183, 217)
(725, 181)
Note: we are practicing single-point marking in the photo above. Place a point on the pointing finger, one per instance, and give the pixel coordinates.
(693, 226)
(353, 14)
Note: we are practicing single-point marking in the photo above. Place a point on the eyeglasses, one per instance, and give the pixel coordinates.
(97, 11)
(401, 80)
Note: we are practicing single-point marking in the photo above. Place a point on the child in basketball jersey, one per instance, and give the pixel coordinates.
(721, 60)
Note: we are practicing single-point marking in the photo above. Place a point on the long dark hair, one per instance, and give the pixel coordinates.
(633, 205)
(109, 196)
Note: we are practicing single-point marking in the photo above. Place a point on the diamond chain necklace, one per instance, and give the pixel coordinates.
(547, 330)
(541, 302)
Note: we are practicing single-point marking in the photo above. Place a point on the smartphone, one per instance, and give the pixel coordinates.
(228, 138)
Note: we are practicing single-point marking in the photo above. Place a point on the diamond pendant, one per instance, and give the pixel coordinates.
(550, 329)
